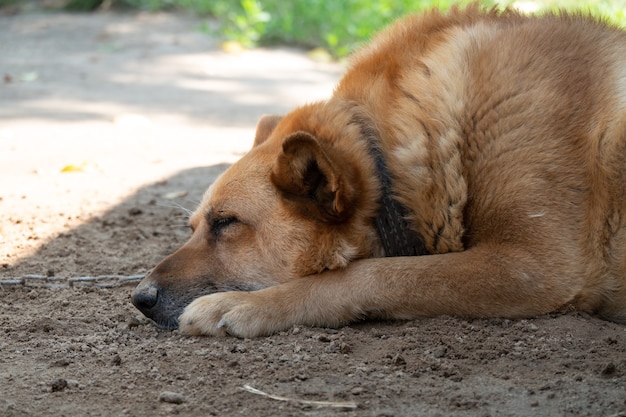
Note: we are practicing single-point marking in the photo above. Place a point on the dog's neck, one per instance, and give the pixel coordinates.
(396, 235)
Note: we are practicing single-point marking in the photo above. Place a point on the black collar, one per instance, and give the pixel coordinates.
(396, 235)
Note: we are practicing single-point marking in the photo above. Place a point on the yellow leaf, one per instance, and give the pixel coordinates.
(320, 55)
(74, 168)
(232, 47)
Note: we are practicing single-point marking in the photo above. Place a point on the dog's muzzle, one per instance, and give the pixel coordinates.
(153, 302)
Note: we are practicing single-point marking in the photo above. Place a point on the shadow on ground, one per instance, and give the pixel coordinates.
(85, 350)
(128, 239)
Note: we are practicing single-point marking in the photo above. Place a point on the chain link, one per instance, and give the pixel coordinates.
(42, 281)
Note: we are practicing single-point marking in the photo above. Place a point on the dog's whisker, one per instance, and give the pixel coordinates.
(185, 226)
(193, 201)
(181, 216)
(178, 206)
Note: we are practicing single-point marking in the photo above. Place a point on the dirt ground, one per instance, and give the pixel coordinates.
(111, 125)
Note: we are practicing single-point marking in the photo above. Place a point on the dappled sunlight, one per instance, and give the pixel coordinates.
(54, 180)
(273, 78)
(118, 231)
(612, 10)
(527, 6)
(146, 64)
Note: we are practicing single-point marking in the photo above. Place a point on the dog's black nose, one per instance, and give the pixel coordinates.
(145, 297)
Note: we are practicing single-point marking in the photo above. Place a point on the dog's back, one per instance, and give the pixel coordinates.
(507, 128)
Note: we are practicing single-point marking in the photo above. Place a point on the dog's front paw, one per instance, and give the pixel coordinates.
(240, 314)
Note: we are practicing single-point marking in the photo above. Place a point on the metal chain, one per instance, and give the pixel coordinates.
(42, 281)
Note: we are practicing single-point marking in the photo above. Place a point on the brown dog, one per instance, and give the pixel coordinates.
(490, 142)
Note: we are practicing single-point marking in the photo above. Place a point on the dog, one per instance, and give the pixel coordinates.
(469, 163)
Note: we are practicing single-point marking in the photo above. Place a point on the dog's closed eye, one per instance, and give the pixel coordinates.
(219, 224)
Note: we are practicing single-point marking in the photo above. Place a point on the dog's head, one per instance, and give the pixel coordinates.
(300, 202)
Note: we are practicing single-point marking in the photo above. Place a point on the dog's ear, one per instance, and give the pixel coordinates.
(317, 183)
(265, 127)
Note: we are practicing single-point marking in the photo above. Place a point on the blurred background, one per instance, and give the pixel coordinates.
(337, 26)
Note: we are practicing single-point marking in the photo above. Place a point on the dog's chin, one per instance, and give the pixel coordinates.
(166, 319)
(164, 314)
(166, 324)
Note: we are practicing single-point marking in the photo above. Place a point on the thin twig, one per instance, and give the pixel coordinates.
(333, 404)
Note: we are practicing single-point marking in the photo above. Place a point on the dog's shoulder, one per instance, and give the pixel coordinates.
(481, 97)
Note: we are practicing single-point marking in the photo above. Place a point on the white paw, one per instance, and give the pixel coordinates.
(240, 314)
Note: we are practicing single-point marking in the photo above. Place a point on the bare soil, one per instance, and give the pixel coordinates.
(110, 124)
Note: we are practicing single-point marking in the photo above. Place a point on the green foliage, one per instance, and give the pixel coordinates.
(339, 26)
(154, 5)
(83, 5)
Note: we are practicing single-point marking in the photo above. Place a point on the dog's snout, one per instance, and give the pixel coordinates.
(157, 303)
(145, 297)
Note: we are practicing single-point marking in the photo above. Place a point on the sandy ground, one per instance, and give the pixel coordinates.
(110, 125)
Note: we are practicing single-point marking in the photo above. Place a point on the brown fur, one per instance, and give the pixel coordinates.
(505, 136)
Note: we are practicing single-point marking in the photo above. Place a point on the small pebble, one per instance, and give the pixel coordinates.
(135, 211)
(117, 360)
(61, 363)
(58, 385)
(239, 349)
(345, 348)
(398, 360)
(440, 352)
(171, 397)
(608, 370)
(133, 322)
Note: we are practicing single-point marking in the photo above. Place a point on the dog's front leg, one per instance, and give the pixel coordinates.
(481, 282)
(257, 313)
